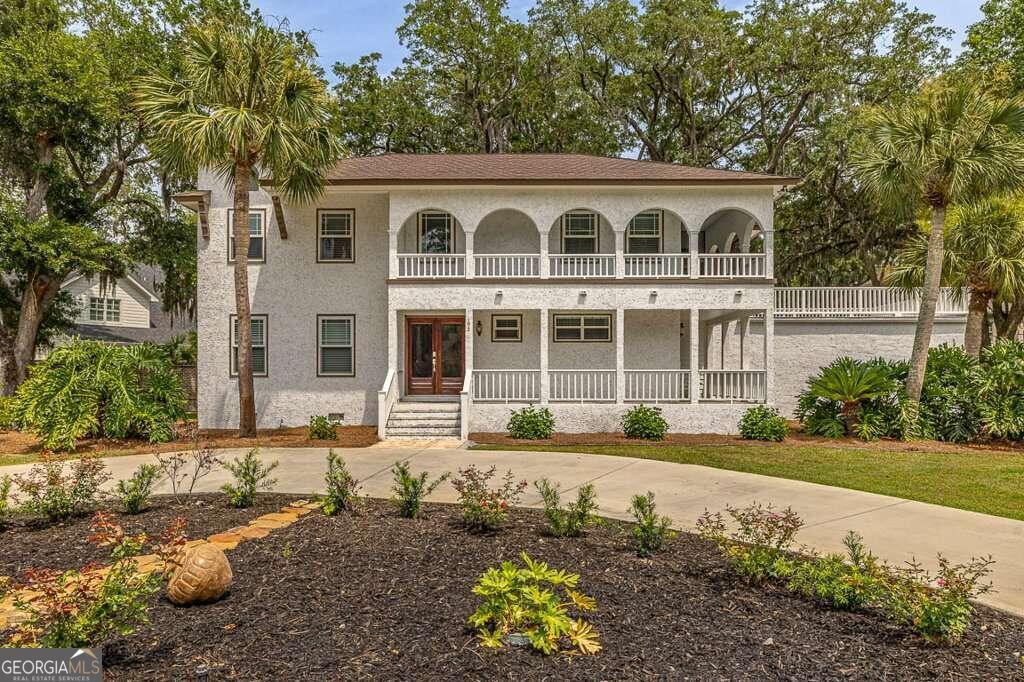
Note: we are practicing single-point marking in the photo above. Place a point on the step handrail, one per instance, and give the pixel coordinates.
(387, 396)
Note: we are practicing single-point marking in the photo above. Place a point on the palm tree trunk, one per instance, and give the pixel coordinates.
(850, 412)
(977, 311)
(240, 229)
(929, 299)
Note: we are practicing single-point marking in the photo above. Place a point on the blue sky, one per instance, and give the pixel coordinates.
(344, 30)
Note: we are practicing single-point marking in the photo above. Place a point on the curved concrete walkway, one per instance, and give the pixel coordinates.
(895, 529)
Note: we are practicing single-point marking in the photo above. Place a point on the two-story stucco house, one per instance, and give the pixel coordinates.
(433, 294)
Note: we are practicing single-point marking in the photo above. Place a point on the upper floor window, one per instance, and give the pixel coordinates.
(104, 309)
(336, 242)
(644, 233)
(259, 345)
(257, 236)
(436, 233)
(579, 233)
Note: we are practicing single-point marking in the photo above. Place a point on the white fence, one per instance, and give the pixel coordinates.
(431, 266)
(860, 302)
(732, 385)
(658, 265)
(506, 385)
(510, 265)
(581, 385)
(582, 266)
(657, 385)
(730, 265)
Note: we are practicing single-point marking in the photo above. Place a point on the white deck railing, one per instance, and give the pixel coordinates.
(506, 385)
(507, 265)
(658, 265)
(732, 385)
(577, 266)
(657, 385)
(731, 265)
(387, 396)
(859, 302)
(582, 385)
(431, 265)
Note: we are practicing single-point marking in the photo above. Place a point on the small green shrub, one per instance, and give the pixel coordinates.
(55, 492)
(1000, 389)
(136, 491)
(756, 549)
(7, 420)
(341, 486)
(569, 521)
(763, 423)
(409, 490)
(5, 501)
(320, 428)
(485, 508)
(525, 601)
(949, 400)
(250, 476)
(531, 423)
(642, 421)
(651, 531)
(844, 583)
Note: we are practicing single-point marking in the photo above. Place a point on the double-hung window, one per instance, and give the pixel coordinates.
(257, 236)
(336, 243)
(336, 345)
(579, 233)
(644, 233)
(108, 309)
(583, 327)
(436, 233)
(259, 345)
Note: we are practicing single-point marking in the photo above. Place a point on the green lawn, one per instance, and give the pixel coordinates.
(990, 482)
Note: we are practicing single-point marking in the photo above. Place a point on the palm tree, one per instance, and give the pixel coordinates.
(248, 100)
(949, 145)
(984, 253)
(850, 383)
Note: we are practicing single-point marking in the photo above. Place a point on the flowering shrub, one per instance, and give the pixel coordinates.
(531, 423)
(84, 608)
(136, 491)
(484, 508)
(642, 421)
(56, 492)
(410, 490)
(522, 601)
(567, 522)
(756, 548)
(341, 486)
(651, 531)
(938, 607)
(763, 423)
(320, 428)
(845, 583)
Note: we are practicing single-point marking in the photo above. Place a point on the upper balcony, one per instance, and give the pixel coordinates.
(581, 244)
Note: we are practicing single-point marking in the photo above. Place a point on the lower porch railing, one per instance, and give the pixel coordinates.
(732, 385)
(581, 385)
(506, 385)
(657, 385)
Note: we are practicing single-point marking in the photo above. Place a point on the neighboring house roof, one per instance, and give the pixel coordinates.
(530, 169)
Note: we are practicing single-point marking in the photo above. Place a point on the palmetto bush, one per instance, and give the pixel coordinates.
(1000, 389)
(856, 397)
(88, 389)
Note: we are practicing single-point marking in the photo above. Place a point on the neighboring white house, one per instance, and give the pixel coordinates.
(433, 294)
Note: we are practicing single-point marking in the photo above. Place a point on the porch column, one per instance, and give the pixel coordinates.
(393, 340)
(744, 338)
(620, 355)
(470, 265)
(694, 354)
(544, 385)
(769, 359)
(470, 334)
(693, 237)
(620, 254)
(545, 265)
(392, 254)
(769, 254)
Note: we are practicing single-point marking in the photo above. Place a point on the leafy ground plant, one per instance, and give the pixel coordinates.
(531, 423)
(568, 521)
(321, 428)
(250, 475)
(756, 547)
(341, 486)
(57, 489)
(842, 582)
(651, 531)
(5, 499)
(409, 490)
(763, 423)
(524, 602)
(485, 508)
(136, 491)
(643, 421)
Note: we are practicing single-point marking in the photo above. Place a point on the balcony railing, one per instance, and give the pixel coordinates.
(657, 265)
(506, 385)
(729, 265)
(582, 267)
(582, 385)
(732, 385)
(860, 302)
(657, 385)
(431, 265)
(507, 265)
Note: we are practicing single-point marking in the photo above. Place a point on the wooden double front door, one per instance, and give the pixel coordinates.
(435, 349)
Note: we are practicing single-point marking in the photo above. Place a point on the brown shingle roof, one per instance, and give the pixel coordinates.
(523, 169)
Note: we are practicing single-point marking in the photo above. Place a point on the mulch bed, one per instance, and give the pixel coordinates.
(379, 597)
(31, 543)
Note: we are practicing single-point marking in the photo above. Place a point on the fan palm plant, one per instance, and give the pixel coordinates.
(950, 145)
(249, 100)
(849, 383)
(984, 254)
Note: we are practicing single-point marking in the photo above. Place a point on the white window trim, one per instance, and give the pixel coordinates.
(582, 326)
(595, 225)
(518, 328)
(233, 346)
(320, 345)
(320, 214)
(101, 309)
(262, 212)
(421, 222)
(113, 309)
(660, 216)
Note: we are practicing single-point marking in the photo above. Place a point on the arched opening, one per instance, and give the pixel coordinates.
(729, 229)
(656, 230)
(506, 230)
(431, 231)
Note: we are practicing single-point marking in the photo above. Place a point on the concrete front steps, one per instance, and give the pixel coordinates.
(423, 419)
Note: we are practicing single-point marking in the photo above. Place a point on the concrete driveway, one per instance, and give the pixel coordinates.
(895, 529)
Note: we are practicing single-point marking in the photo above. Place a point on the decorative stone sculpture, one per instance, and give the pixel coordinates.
(203, 574)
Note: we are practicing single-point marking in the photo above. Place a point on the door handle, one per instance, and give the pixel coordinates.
(433, 360)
